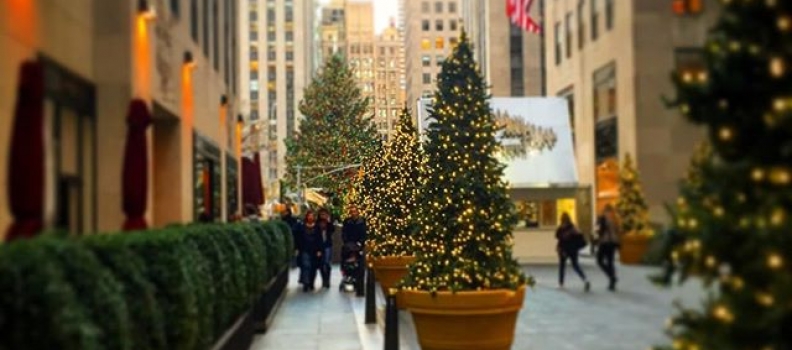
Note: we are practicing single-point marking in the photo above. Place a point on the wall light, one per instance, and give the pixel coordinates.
(189, 61)
(146, 10)
(224, 100)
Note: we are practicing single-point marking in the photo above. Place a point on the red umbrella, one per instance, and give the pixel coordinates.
(135, 172)
(259, 187)
(26, 165)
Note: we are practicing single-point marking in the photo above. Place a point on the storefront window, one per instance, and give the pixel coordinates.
(207, 177)
(232, 188)
(543, 214)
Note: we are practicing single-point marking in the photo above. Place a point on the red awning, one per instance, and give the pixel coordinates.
(135, 171)
(26, 163)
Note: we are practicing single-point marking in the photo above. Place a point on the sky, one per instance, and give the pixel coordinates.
(383, 11)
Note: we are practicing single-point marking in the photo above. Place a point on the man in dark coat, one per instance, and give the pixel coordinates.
(293, 223)
(353, 233)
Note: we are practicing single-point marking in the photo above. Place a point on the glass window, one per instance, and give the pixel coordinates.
(568, 34)
(440, 59)
(439, 7)
(609, 14)
(427, 78)
(270, 16)
(425, 7)
(594, 20)
(439, 42)
(452, 24)
(605, 112)
(289, 35)
(174, 7)
(558, 42)
(453, 41)
(425, 25)
(194, 20)
(439, 25)
(205, 24)
(581, 26)
(253, 16)
(426, 60)
(452, 7)
(426, 44)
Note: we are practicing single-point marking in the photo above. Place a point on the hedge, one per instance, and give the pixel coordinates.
(176, 288)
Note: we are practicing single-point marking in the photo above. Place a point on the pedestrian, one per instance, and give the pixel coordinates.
(309, 247)
(288, 218)
(326, 230)
(609, 243)
(570, 241)
(353, 234)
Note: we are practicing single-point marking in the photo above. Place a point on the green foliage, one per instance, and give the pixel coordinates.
(147, 325)
(466, 215)
(39, 309)
(286, 240)
(336, 131)
(631, 207)
(733, 214)
(98, 289)
(393, 193)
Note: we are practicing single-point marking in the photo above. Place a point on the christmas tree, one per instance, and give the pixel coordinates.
(336, 131)
(631, 207)
(367, 188)
(733, 218)
(394, 222)
(465, 216)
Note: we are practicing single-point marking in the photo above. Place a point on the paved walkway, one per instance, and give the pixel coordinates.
(552, 318)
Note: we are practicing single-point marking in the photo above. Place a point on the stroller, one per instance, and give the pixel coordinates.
(351, 265)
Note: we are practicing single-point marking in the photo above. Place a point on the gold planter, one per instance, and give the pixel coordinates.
(633, 248)
(389, 270)
(469, 320)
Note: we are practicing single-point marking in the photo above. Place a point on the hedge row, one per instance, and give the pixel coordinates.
(177, 288)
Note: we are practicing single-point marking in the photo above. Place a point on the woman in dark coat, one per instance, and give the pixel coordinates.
(326, 229)
(309, 245)
(568, 248)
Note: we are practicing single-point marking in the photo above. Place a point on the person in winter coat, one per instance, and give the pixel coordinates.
(309, 245)
(288, 218)
(568, 247)
(354, 229)
(326, 229)
(609, 243)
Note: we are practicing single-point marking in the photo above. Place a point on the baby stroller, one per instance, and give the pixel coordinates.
(351, 258)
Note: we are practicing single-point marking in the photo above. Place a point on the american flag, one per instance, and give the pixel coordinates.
(519, 11)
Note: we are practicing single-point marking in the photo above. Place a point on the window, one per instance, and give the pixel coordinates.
(426, 44)
(569, 95)
(254, 74)
(581, 26)
(687, 7)
(452, 25)
(594, 20)
(425, 7)
(453, 41)
(452, 7)
(253, 36)
(289, 35)
(254, 114)
(557, 33)
(439, 7)
(289, 14)
(690, 64)
(609, 14)
(271, 35)
(289, 55)
(205, 23)
(270, 16)
(568, 34)
(216, 35)
(426, 60)
(254, 55)
(254, 95)
(427, 78)
(254, 85)
(174, 7)
(194, 20)
(440, 59)
(439, 42)
(439, 25)
(517, 70)
(271, 53)
(605, 93)
(253, 16)
(425, 25)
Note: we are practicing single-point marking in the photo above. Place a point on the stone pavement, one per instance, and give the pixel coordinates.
(551, 319)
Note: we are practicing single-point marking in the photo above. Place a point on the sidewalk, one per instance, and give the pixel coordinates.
(319, 320)
(551, 319)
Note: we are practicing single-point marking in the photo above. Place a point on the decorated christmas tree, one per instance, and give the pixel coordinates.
(631, 207)
(394, 223)
(336, 131)
(733, 218)
(367, 188)
(465, 216)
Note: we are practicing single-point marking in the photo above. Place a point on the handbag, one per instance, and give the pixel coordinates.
(577, 241)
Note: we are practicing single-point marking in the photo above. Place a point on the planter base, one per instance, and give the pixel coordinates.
(389, 270)
(478, 320)
(633, 248)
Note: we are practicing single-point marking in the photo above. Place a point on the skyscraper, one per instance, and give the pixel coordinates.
(389, 89)
(431, 30)
(276, 65)
(359, 38)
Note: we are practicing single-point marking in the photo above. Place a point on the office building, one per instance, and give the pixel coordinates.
(389, 91)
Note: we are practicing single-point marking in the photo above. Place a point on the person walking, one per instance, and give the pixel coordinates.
(326, 230)
(570, 241)
(288, 218)
(353, 234)
(310, 250)
(609, 243)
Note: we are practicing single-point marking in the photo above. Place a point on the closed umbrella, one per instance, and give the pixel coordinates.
(135, 171)
(26, 164)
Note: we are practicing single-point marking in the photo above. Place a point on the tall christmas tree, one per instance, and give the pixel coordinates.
(631, 207)
(367, 188)
(466, 216)
(734, 218)
(336, 131)
(394, 223)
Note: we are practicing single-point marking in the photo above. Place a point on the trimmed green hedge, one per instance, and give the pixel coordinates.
(177, 288)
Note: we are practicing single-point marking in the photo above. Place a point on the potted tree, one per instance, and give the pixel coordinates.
(633, 215)
(465, 289)
(392, 243)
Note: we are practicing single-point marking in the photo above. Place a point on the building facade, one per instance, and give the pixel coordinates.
(276, 64)
(510, 58)
(431, 30)
(389, 91)
(332, 29)
(98, 56)
(359, 38)
(612, 61)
